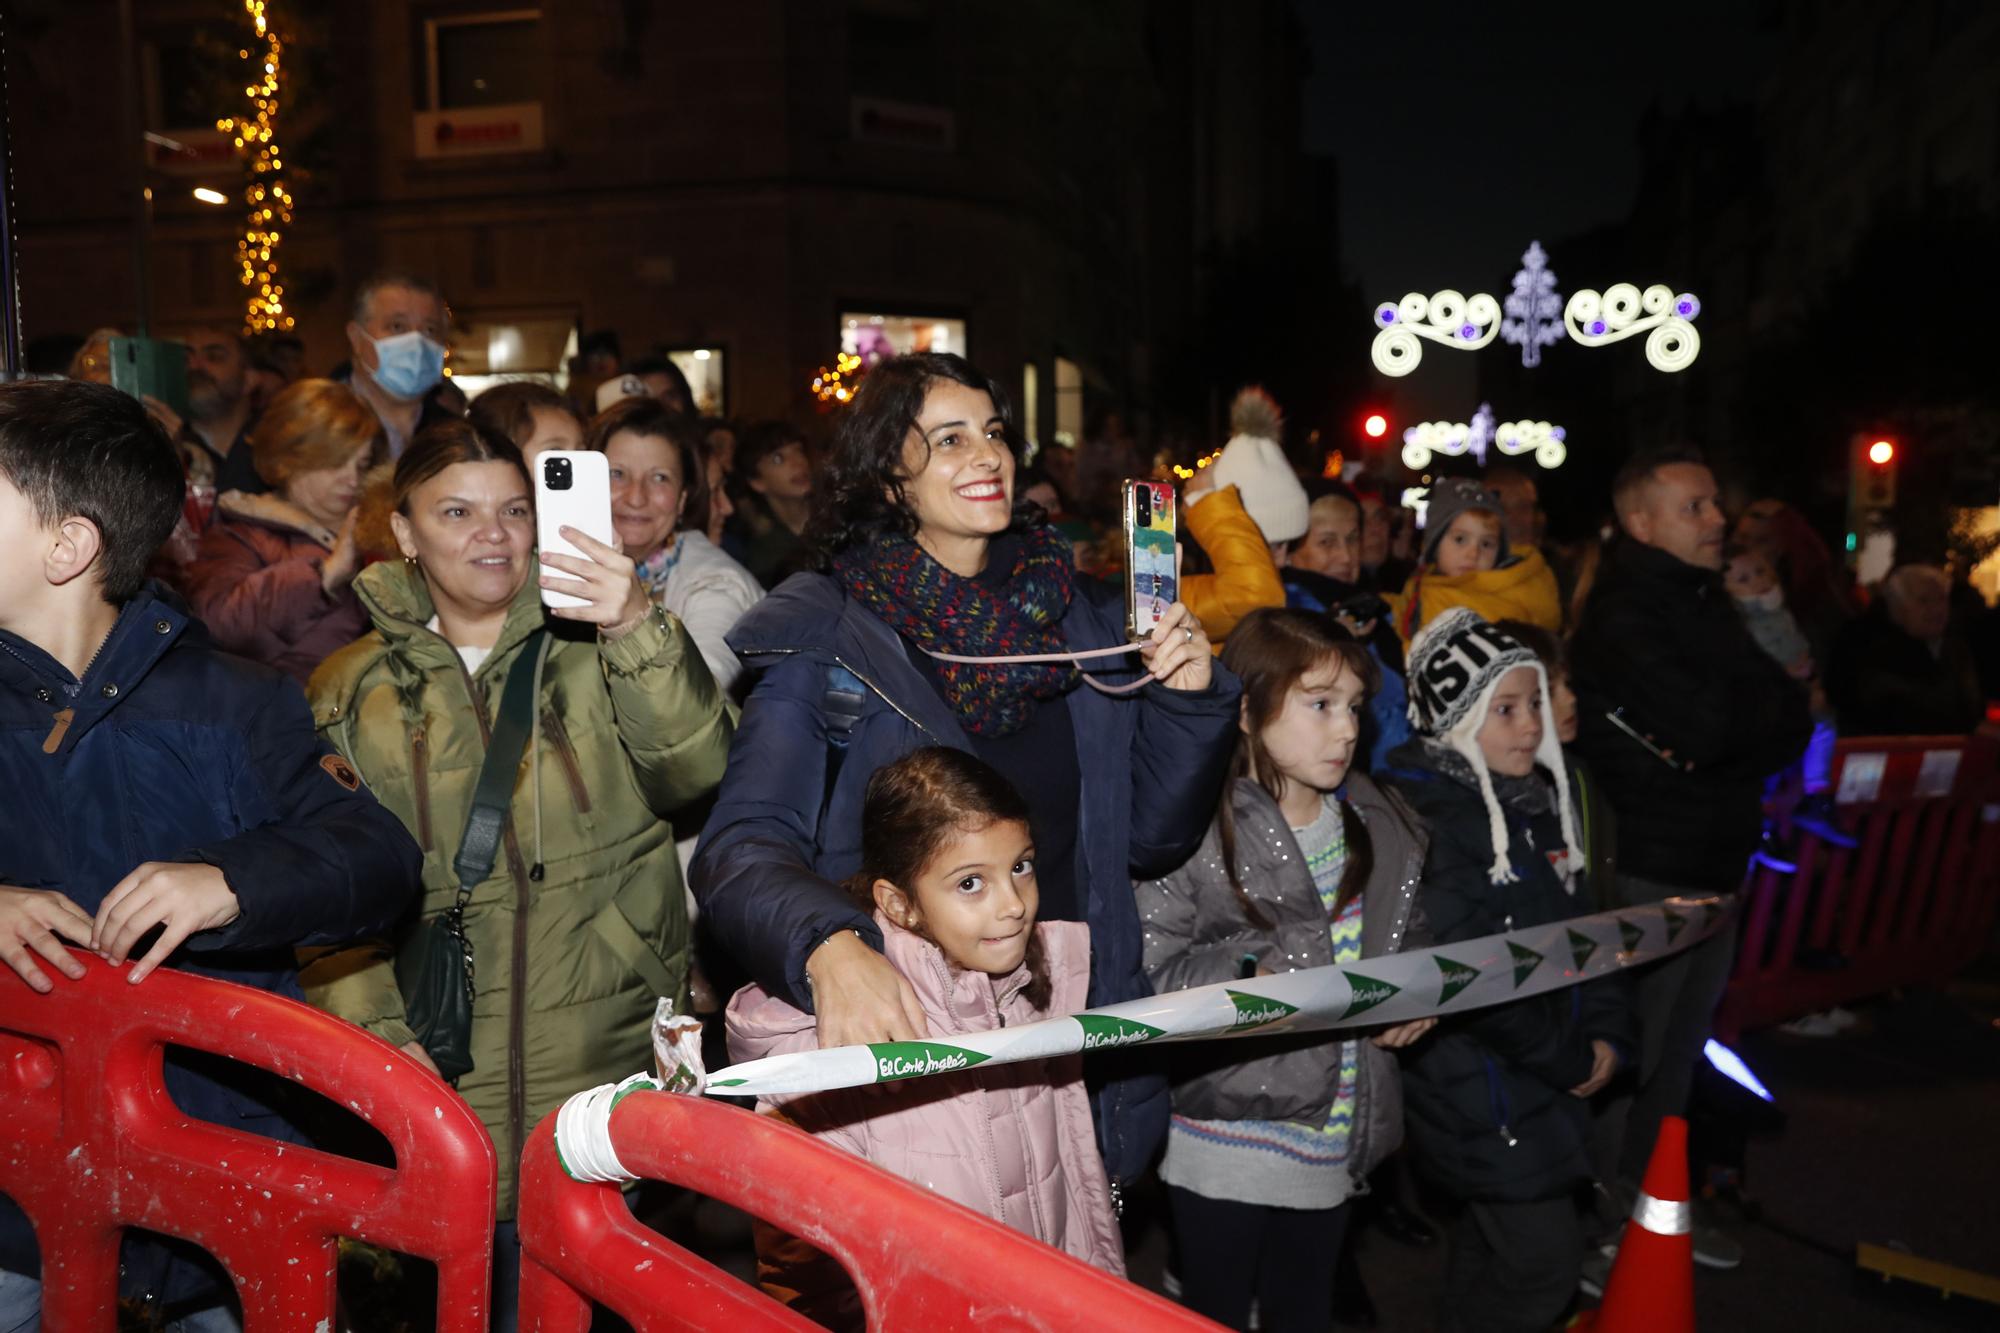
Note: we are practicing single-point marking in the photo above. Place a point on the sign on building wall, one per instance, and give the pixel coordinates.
(475, 131)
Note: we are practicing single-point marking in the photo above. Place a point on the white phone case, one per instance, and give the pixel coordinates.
(585, 504)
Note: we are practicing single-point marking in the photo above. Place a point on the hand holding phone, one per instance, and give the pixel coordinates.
(1152, 558)
(584, 575)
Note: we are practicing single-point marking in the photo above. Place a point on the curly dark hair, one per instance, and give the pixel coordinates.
(860, 495)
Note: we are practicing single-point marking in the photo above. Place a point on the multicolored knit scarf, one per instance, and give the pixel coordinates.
(942, 612)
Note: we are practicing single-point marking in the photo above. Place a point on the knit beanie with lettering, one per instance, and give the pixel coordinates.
(1456, 663)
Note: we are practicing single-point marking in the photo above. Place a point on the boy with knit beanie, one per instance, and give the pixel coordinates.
(1465, 561)
(1497, 1100)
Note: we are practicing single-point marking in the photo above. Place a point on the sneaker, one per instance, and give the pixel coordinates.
(1817, 815)
(1597, 1270)
(1818, 1025)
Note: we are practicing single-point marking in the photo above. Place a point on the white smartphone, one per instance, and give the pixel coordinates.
(572, 490)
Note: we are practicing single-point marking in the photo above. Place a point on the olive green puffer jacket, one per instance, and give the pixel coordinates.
(567, 964)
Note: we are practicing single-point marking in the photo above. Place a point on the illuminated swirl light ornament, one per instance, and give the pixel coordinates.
(1445, 317)
(1427, 439)
(1547, 443)
(1622, 311)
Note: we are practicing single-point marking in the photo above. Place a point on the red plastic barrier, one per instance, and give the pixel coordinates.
(91, 1143)
(1914, 902)
(921, 1262)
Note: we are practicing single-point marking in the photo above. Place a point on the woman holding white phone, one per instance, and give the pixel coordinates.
(582, 921)
(922, 550)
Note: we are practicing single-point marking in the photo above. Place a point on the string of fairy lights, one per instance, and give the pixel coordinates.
(268, 202)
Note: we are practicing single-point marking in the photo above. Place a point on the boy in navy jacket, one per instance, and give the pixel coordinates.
(166, 804)
(1497, 1100)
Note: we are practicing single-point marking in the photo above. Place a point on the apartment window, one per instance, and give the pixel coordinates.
(482, 60)
(482, 76)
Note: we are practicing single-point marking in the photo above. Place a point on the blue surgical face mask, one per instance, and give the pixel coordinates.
(408, 365)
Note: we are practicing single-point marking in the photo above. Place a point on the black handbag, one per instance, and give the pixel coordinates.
(435, 968)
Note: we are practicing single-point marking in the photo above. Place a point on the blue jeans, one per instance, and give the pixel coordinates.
(21, 1310)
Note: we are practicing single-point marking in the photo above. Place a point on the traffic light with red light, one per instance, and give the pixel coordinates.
(1872, 481)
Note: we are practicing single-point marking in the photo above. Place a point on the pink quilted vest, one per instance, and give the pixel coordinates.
(1014, 1143)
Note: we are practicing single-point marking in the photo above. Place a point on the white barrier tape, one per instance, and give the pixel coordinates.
(1664, 1217)
(1374, 992)
(583, 1131)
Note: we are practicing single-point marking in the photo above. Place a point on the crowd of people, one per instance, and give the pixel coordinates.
(825, 700)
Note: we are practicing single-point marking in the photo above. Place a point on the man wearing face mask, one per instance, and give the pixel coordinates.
(397, 337)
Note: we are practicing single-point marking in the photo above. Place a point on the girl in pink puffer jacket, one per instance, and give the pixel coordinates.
(948, 866)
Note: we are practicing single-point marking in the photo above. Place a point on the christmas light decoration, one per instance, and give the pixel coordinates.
(1622, 311)
(1534, 307)
(1549, 444)
(1423, 442)
(838, 384)
(1206, 461)
(268, 201)
(1445, 317)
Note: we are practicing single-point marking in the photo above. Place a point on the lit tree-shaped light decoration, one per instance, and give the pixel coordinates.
(268, 201)
(1534, 307)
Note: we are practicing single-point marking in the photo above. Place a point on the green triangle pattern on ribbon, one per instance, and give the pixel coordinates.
(1709, 912)
(1581, 947)
(1632, 933)
(913, 1059)
(1676, 923)
(1101, 1031)
(1457, 976)
(1366, 992)
(1526, 960)
(1254, 1011)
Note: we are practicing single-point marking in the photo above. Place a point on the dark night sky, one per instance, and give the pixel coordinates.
(1464, 130)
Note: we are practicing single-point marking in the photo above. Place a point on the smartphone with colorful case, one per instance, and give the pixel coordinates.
(1152, 557)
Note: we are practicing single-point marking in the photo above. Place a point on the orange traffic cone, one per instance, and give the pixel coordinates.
(1651, 1289)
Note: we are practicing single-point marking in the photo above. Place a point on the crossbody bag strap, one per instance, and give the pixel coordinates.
(493, 798)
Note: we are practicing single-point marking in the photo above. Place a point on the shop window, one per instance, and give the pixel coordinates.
(874, 337)
(704, 369)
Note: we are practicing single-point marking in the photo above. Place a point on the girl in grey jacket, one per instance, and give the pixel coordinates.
(1307, 864)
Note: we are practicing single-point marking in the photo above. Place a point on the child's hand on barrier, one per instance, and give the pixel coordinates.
(36, 921)
(1603, 1064)
(182, 897)
(1403, 1034)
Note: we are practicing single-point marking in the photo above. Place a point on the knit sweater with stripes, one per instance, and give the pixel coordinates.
(1287, 1164)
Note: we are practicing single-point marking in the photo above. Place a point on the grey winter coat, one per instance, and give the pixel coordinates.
(1196, 934)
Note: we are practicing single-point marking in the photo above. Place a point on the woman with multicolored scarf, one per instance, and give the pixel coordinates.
(922, 552)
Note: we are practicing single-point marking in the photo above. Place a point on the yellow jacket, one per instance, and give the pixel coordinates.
(1245, 576)
(1523, 590)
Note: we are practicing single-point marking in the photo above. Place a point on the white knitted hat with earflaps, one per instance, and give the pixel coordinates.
(1455, 664)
